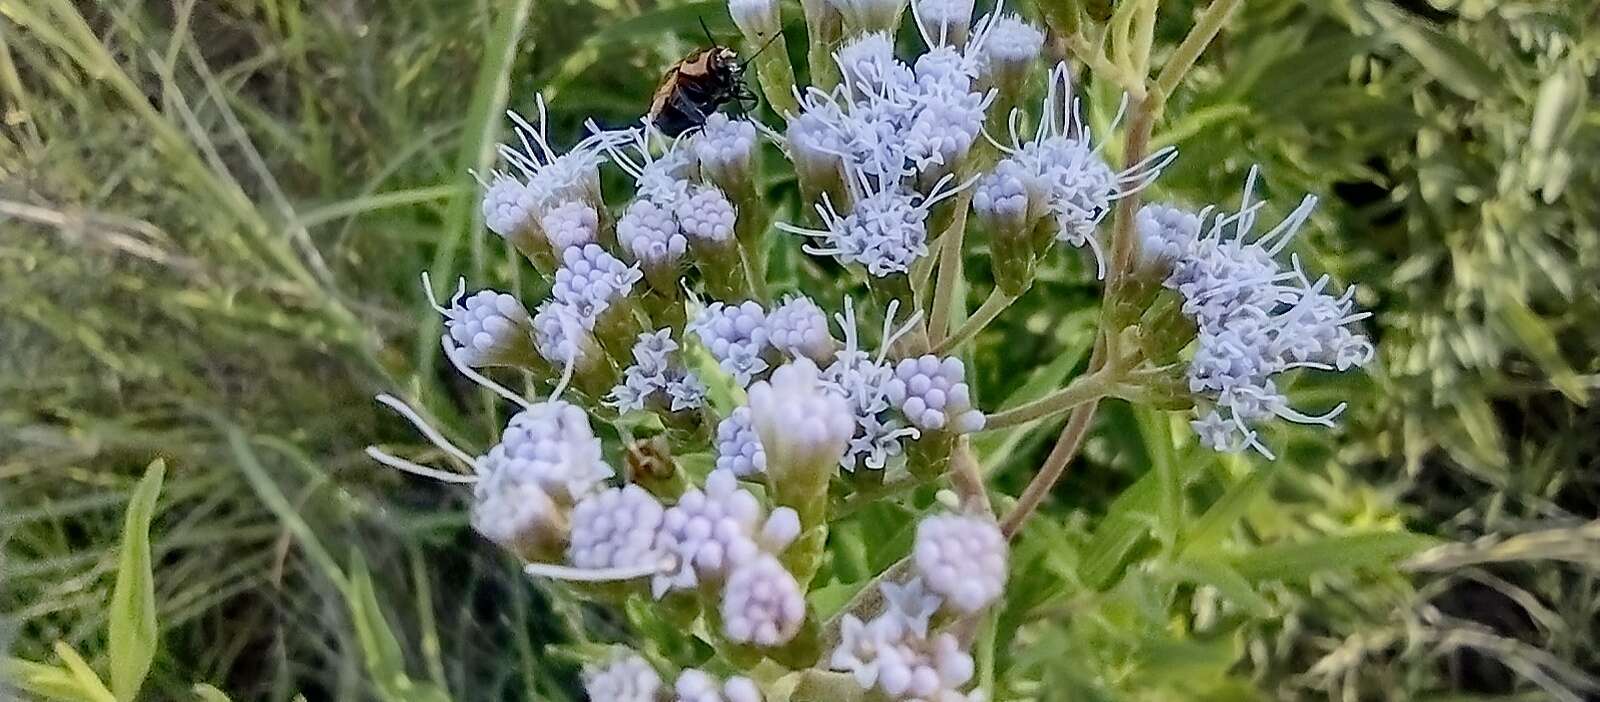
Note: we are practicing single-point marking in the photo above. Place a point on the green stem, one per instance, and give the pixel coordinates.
(1086, 389)
(991, 308)
(1199, 37)
(944, 288)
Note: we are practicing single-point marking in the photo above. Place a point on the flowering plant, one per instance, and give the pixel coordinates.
(661, 325)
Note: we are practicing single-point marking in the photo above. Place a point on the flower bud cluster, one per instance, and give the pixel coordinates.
(1255, 319)
(881, 156)
(547, 460)
(1056, 184)
(488, 328)
(896, 653)
(533, 208)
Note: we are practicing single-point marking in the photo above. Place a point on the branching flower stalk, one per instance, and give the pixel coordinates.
(659, 323)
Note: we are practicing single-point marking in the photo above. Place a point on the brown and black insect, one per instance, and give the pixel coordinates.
(699, 85)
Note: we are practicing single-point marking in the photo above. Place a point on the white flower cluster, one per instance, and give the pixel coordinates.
(1058, 174)
(960, 566)
(547, 459)
(545, 184)
(1255, 319)
(887, 140)
(738, 446)
(657, 376)
(487, 328)
(628, 677)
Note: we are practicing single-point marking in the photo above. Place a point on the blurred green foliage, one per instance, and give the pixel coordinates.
(212, 216)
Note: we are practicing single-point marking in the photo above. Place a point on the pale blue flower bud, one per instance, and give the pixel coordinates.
(933, 394)
(627, 678)
(762, 604)
(738, 446)
(963, 559)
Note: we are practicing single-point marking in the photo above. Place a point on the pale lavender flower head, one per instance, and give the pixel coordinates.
(626, 678)
(736, 336)
(762, 604)
(488, 328)
(798, 327)
(962, 558)
(552, 445)
(570, 224)
(738, 446)
(616, 528)
(932, 393)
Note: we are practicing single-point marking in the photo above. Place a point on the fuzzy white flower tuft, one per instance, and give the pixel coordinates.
(1256, 320)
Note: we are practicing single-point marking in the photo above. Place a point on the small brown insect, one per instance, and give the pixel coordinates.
(697, 86)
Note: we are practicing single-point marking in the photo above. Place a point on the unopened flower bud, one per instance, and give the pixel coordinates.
(762, 604)
(757, 19)
(805, 427)
(570, 224)
(735, 335)
(696, 685)
(946, 22)
(798, 327)
(738, 446)
(933, 394)
(962, 558)
(627, 678)
(1165, 233)
(1011, 47)
(649, 234)
(726, 149)
(616, 528)
(490, 328)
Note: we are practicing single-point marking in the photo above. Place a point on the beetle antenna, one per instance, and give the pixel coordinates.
(710, 41)
(745, 63)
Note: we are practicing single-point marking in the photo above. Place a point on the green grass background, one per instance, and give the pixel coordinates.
(213, 214)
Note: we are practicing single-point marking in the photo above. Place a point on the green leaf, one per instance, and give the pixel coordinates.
(380, 647)
(1452, 63)
(385, 660)
(90, 687)
(1126, 524)
(1535, 336)
(132, 627)
(46, 681)
(207, 693)
(1233, 586)
(1208, 531)
(1296, 561)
